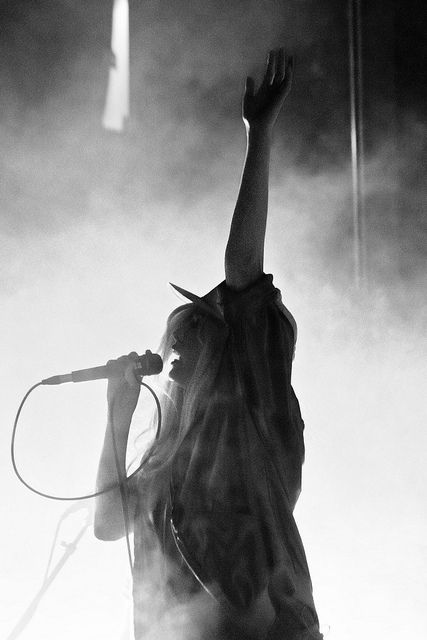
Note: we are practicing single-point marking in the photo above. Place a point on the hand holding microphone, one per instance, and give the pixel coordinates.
(123, 388)
(123, 392)
(123, 375)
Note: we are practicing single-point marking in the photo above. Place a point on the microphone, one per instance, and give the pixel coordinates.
(147, 365)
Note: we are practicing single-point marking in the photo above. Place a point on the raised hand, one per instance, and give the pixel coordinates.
(261, 107)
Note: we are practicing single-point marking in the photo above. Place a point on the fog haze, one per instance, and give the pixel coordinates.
(94, 225)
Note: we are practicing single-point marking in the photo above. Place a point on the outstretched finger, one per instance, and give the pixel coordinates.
(271, 65)
(280, 66)
(290, 67)
(289, 72)
(249, 86)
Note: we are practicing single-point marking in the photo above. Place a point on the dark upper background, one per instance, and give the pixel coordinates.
(188, 61)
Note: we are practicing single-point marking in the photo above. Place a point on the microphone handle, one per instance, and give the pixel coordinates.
(147, 364)
(93, 373)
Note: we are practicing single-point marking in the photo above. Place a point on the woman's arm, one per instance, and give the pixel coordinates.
(122, 398)
(244, 254)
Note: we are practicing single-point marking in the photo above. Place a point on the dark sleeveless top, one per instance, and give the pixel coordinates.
(227, 521)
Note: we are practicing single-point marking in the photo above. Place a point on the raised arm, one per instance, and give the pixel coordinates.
(244, 254)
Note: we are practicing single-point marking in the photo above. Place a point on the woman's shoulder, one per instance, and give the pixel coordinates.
(259, 295)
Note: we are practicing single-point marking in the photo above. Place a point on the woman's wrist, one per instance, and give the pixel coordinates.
(259, 132)
(120, 424)
(120, 415)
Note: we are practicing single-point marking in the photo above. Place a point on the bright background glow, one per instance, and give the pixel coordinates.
(95, 225)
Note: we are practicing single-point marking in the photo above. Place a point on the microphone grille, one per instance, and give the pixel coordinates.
(150, 364)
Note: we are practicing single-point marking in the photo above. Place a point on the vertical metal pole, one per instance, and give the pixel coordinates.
(357, 150)
(31, 610)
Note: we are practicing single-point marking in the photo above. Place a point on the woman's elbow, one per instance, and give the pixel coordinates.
(109, 529)
(110, 522)
(105, 533)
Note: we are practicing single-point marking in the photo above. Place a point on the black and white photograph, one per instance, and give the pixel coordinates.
(213, 283)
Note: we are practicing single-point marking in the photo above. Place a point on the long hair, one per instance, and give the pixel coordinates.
(181, 408)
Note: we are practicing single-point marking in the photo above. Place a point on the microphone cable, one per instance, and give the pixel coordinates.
(123, 480)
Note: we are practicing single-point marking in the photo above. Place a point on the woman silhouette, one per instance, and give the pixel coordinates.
(211, 508)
